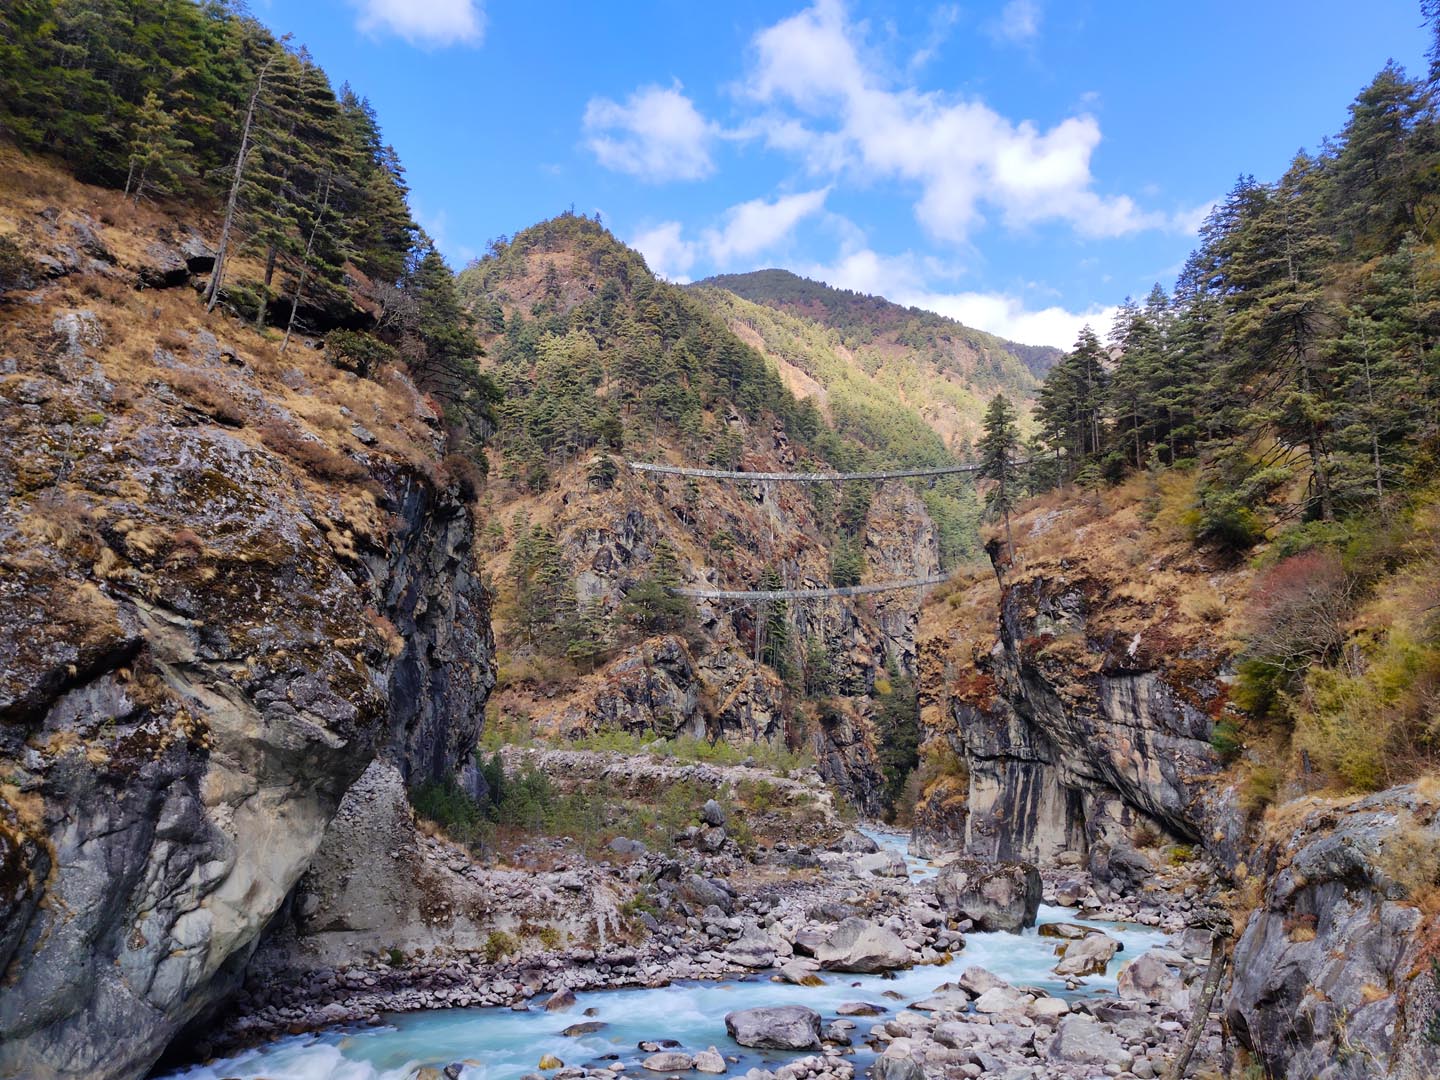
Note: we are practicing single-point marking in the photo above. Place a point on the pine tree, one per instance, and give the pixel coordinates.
(774, 628)
(998, 444)
(1071, 403)
(158, 159)
(1281, 320)
(1376, 184)
(650, 605)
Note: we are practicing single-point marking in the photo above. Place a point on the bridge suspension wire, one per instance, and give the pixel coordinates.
(808, 594)
(804, 477)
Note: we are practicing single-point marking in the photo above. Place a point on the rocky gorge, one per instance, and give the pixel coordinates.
(281, 636)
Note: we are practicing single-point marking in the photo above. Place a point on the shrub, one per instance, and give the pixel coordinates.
(1372, 722)
(498, 945)
(1226, 740)
(205, 392)
(1299, 609)
(446, 804)
(468, 475)
(16, 269)
(310, 454)
(361, 353)
(1259, 788)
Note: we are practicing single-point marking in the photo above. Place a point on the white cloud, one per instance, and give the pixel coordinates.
(908, 279)
(657, 134)
(1019, 21)
(755, 226)
(826, 104)
(666, 251)
(424, 22)
(1188, 222)
(746, 230)
(1007, 316)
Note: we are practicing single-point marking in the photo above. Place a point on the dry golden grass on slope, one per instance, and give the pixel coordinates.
(1125, 551)
(296, 403)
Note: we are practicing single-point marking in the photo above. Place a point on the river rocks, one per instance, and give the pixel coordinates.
(949, 1001)
(780, 1027)
(882, 864)
(1090, 955)
(893, 1065)
(752, 949)
(549, 1062)
(587, 1027)
(855, 843)
(801, 972)
(1003, 999)
(976, 980)
(1065, 931)
(560, 1000)
(994, 896)
(1150, 978)
(668, 1061)
(861, 946)
(702, 892)
(1081, 1040)
(710, 1061)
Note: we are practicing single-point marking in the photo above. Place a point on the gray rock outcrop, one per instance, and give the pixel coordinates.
(1334, 958)
(779, 1027)
(203, 659)
(861, 946)
(994, 896)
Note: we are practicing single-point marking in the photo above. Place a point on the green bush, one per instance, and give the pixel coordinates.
(446, 804)
(1226, 740)
(363, 354)
(16, 269)
(498, 945)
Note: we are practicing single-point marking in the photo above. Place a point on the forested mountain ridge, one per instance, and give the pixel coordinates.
(599, 362)
(988, 362)
(901, 412)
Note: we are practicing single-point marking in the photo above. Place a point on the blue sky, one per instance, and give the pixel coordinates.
(1022, 165)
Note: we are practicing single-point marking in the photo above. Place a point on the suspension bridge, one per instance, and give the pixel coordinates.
(767, 595)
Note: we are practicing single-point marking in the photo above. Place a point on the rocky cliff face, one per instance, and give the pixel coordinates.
(711, 684)
(1078, 702)
(1333, 973)
(226, 578)
(1083, 719)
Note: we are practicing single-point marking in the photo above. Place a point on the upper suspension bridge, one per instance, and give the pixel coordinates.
(768, 595)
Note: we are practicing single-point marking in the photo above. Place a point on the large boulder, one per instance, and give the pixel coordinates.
(855, 842)
(882, 864)
(1082, 1040)
(1149, 978)
(776, 1027)
(992, 895)
(861, 946)
(1090, 955)
(700, 893)
(752, 949)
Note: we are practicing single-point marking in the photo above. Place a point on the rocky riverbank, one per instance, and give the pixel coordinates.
(778, 913)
